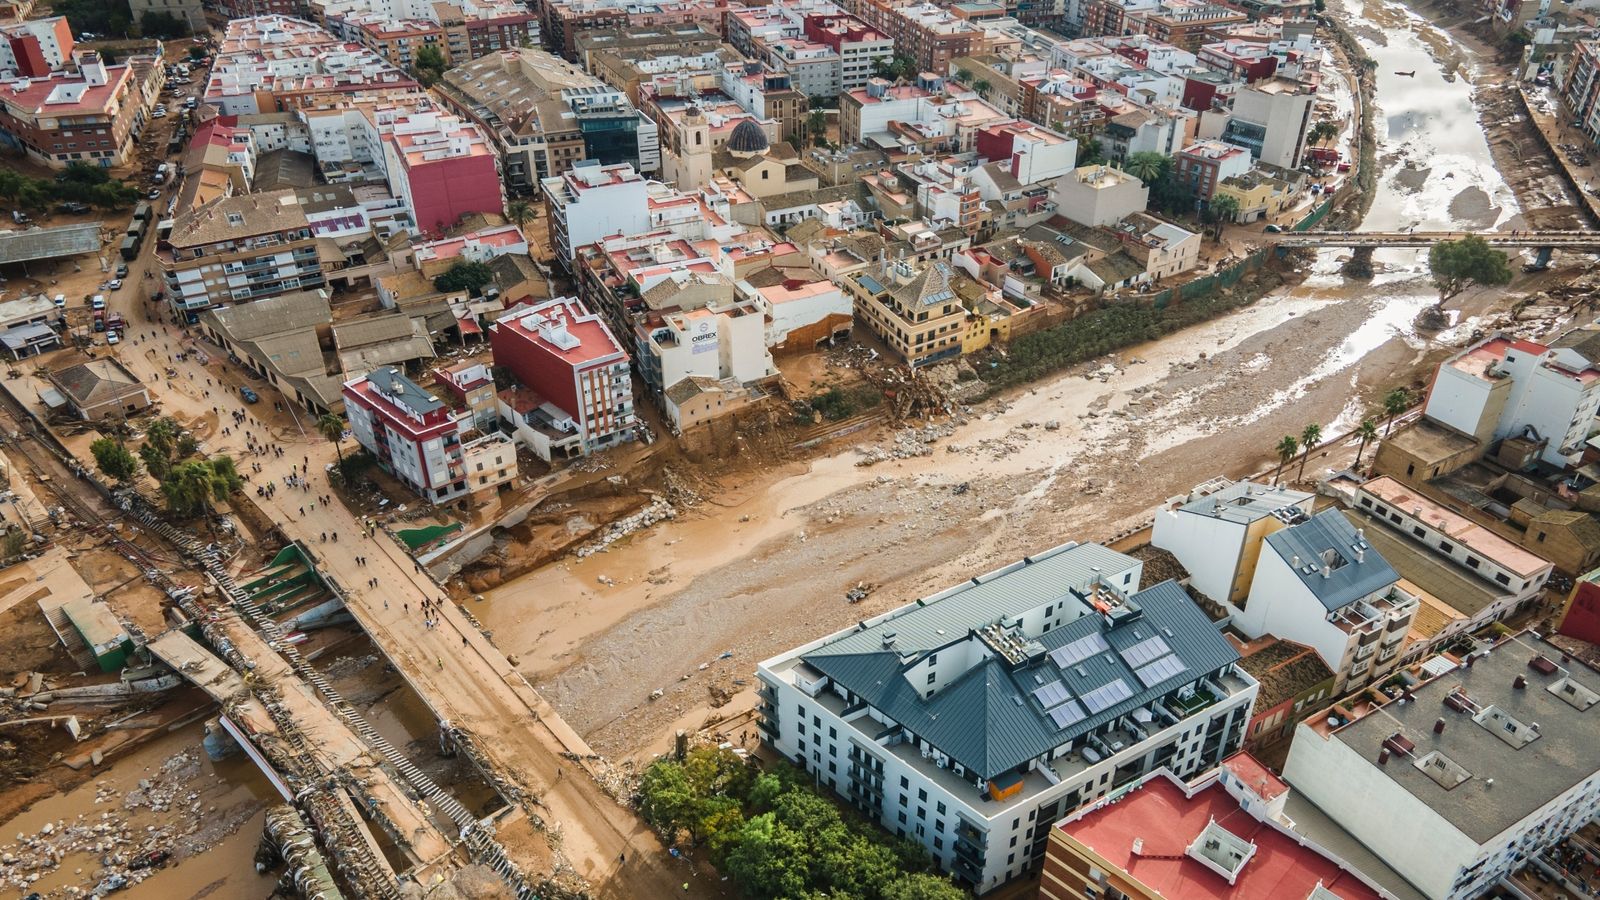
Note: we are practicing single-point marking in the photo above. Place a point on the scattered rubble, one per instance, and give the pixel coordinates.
(658, 510)
(907, 443)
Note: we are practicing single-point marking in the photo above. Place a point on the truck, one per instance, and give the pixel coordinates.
(141, 212)
(1324, 156)
(130, 248)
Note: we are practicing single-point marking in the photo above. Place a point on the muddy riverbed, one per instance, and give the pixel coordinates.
(690, 607)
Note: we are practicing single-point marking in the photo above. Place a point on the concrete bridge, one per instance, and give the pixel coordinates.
(1505, 240)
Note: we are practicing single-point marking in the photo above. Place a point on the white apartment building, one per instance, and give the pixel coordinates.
(1099, 195)
(1216, 531)
(1468, 546)
(1507, 387)
(1485, 766)
(592, 201)
(1320, 583)
(1271, 118)
(970, 721)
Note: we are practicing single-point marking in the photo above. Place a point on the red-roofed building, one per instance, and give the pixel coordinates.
(1218, 838)
(36, 47)
(89, 116)
(576, 394)
(442, 168)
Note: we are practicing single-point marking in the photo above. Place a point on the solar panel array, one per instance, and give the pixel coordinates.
(1066, 715)
(1051, 694)
(1160, 670)
(1145, 651)
(1107, 696)
(1079, 650)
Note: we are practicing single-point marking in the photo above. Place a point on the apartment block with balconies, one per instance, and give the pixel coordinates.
(1321, 583)
(973, 720)
(237, 249)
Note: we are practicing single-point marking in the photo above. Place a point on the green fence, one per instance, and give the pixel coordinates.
(1316, 215)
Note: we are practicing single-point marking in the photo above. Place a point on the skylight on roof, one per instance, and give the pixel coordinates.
(1079, 650)
(1145, 651)
(1107, 696)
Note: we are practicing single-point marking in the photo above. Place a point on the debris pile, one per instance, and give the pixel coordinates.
(658, 510)
(907, 443)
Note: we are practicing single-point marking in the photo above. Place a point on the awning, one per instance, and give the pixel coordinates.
(469, 325)
(52, 398)
(23, 335)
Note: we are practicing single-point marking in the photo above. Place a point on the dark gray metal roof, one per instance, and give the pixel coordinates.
(48, 243)
(1327, 541)
(394, 384)
(991, 719)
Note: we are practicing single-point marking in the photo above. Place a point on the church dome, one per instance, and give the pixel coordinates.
(747, 137)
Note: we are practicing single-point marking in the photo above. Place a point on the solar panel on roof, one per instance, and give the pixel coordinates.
(1066, 715)
(1160, 670)
(1107, 696)
(1051, 694)
(1079, 650)
(1145, 651)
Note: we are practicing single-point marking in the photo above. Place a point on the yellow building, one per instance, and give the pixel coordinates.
(1259, 195)
(917, 313)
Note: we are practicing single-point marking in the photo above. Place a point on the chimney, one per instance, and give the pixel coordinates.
(1438, 726)
(1138, 846)
(1383, 756)
(1470, 658)
(1519, 683)
(1327, 571)
(1294, 561)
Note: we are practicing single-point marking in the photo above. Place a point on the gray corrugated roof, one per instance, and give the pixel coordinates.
(272, 316)
(1328, 539)
(395, 384)
(1243, 502)
(978, 720)
(947, 616)
(49, 243)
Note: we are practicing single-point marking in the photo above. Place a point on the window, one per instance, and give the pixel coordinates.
(904, 783)
(1503, 578)
(1447, 547)
(939, 807)
(902, 817)
(922, 794)
(932, 677)
(1539, 537)
(1472, 561)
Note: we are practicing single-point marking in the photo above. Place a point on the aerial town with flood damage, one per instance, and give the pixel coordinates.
(799, 449)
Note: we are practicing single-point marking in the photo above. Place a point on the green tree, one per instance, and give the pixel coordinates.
(1223, 208)
(963, 75)
(80, 172)
(1395, 402)
(1458, 265)
(1286, 449)
(1325, 130)
(194, 487)
(162, 25)
(1367, 431)
(982, 86)
(1147, 166)
(770, 860)
(1309, 438)
(817, 124)
(428, 65)
(922, 886)
(163, 435)
(114, 459)
(464, 275)
(520, 212)
(14, 544)
(666, 800)
(331, 427)
(159, 464)
(1090, 153)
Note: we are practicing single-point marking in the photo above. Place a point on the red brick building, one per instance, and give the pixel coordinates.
(92, 116)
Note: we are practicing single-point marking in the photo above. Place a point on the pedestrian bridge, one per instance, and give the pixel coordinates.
(1512, 240)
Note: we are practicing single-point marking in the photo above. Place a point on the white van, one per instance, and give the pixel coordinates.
(61, 301)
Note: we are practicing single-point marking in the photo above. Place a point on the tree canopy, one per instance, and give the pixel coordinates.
(429, 65)
(1458, 265)
(776, 837)
(114, 459)
(465, 275)
(193, 487)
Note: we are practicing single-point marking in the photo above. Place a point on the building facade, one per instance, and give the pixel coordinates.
(93, 115)
(970, 721)
(239, 248)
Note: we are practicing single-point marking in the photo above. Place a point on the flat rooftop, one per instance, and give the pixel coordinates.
(1526, 776)
(1440, 577)
(1462, 530)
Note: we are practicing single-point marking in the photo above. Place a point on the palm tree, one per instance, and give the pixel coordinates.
(519, 211)
(963, 75)
(1395, 402)
(1286, 448)
(1309, 438)
(981, 86)
(331, 427)
(817, 124)
(1224, 208)
(193, 487)
(1090, 153)
(1367, 430)
(1323, 131)
(1146, 166)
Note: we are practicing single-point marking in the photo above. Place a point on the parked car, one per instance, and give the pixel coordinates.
(112, 337)
(73, 207)
(155, 194)
(249, 395)
(98, 301)
(114, 284)
(122, 270)
(61, 301)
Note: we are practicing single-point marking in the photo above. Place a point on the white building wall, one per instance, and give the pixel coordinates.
(1458, 400)
(1280, 604)
(792, 314)
(1387, 819)
(1209, 547)
(1092, 206)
